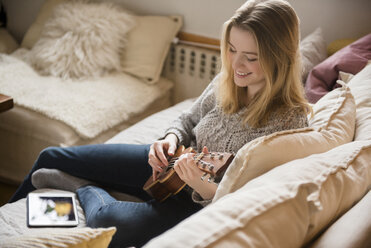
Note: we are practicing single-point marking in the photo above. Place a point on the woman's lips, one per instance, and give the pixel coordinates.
(241, 74)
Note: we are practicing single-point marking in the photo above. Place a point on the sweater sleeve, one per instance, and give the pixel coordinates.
(183, 126)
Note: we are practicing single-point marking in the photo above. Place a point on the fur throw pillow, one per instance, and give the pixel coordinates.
(82, 40)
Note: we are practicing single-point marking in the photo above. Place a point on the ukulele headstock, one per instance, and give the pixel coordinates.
(214, 163)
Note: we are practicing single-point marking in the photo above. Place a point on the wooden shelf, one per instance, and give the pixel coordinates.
(6, 103)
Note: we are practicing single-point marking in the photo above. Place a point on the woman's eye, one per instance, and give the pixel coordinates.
(251, 59)
(231, 50)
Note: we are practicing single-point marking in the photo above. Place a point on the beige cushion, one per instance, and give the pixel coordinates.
(331, 125)
(64, 238)
(360, 85)
(33, 33)
(7, 43)
(313, 51)
(285, 207)
(148, 44)
(350, 230)
(345, 76)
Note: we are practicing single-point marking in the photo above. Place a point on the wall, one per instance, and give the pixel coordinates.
(338, 18)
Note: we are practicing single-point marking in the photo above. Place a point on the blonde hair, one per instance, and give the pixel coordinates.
(275, 26)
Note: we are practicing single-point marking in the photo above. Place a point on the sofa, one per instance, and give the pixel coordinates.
(297, 188)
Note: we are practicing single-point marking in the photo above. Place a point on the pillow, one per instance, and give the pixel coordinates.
(345, 76)
(354, 228)
(34, 31)
(286, 207)
(336, 45)
(351, 59)
(313, 51)
(360, 85)
(148, 45)
(84, 237)
(331, 125)
(82, 40)
(7, 43)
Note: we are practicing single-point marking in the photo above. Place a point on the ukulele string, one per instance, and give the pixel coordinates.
(196, 157)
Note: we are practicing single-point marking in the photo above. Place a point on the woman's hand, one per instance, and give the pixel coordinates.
(187, 170)
(157, 156)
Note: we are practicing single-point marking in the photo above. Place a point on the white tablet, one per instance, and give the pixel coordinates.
(51, 209)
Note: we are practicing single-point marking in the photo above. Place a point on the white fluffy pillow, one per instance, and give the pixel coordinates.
(82, 40)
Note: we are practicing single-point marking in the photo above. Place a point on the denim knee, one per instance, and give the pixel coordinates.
(47, 155)
(99, 218)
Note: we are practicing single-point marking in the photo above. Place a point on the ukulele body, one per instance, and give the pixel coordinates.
(168, 182)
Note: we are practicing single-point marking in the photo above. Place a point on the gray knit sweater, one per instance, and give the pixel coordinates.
(205, 124)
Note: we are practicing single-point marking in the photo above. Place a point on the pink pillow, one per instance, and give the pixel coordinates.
(351, 59)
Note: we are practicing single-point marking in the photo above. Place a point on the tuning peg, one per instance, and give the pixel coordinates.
(211, 179)
(203, 164)
(203, 176)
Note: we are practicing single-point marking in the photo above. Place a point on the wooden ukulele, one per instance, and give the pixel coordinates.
(169, 183)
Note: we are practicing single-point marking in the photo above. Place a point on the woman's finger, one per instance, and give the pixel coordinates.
(179, 169)
(160, 153)
(205, 150)
(153, 161)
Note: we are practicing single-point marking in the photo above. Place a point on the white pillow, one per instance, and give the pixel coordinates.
(345, 76)
(285, 207)
(331, 126)
(148, 45)
(7, 43)
(82, 40)
(313, 51)
(360, 85)
(34, 31)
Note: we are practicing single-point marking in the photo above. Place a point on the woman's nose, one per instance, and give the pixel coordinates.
(237, 61)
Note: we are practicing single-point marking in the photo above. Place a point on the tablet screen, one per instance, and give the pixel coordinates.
(51, 209)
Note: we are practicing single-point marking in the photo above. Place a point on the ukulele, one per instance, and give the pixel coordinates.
(168, 182)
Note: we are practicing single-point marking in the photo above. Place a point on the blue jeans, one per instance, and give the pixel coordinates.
(121, 167)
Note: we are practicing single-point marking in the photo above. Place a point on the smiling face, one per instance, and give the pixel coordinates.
(243, 55)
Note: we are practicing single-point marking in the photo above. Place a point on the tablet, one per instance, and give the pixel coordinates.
(51, 209)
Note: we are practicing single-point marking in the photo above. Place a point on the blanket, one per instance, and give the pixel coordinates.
(89, 106)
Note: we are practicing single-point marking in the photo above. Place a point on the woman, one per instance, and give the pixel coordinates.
(257, 92)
